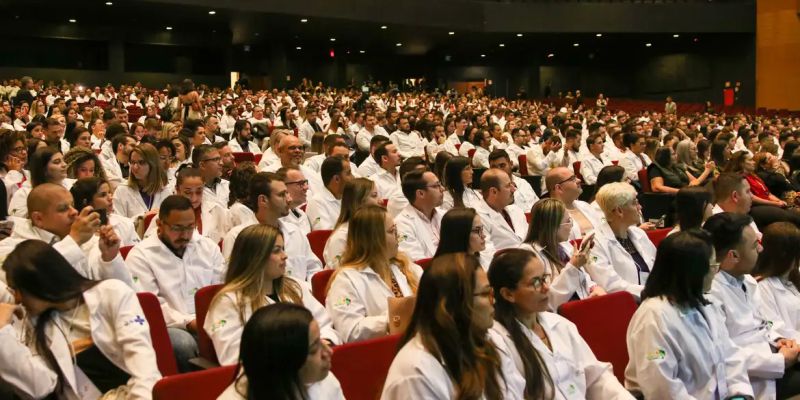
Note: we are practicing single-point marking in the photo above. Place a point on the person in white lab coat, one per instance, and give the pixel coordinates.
(96, 192)
(505, 223)
(524, 196)
(284, 356)
(462, 230)
(546, 348)
(408, 142)
(268, 202)
(387, 178)
(592, 163)
(543, 156)
(548, 237)
(297, 184)
(206, 158)
(622, 255)
(237, 203)
(458, 185)
(308, 128)
(358, 192)
(332, 145)
(174, 265)
(634, 158)
(677, 342)
(85, 338)
(482, 142)
(778, 274)
(270, 157)
(47, 166)
(147, 184)
(447, 351)
(324, 207)
(564, 185)
(255, 278)
(418, 225)
(736, 246)
(242, 138)
(370, 271)
(117, 167)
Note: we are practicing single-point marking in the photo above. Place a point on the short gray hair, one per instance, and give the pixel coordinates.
(614, 195)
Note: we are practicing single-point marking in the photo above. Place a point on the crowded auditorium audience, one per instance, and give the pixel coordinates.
(455, 236)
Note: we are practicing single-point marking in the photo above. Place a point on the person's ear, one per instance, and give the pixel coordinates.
(507, 294)
(36, 218)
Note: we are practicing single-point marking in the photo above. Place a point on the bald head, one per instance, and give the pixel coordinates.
(290, 151)
(556, 176)
(44, 196)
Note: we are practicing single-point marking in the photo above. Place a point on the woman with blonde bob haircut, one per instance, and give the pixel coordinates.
(371, 270)
(357, 192)
(147, 184)
(448, 351)
(256, 278)
(548, 235)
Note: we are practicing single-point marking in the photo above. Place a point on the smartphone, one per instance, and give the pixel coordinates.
(103, 213)
(587, 241)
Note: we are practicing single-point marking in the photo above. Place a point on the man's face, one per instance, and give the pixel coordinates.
(177, 228)
(747, 251)
(404, 125)
(297, 185)
(53, 133)
(392, 157)
(502, 163)
(505, 193)
(290, 151)
(211, 164)
(370, 122)
(226, 155)
(58, 216)
(638, 147)
(434, 191)
(212, 126)
(745, 198)
(279, 198)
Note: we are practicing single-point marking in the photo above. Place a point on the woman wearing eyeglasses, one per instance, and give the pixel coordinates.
(147, 184)
(548, 236)
(546, 348)
(448, 351)
(462, 231)
(677, 341)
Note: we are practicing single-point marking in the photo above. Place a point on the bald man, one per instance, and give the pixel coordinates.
(562, 184)
(503, 222)
(54, 220)
(290, 153)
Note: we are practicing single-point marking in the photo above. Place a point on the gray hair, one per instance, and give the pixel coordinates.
(615, 195)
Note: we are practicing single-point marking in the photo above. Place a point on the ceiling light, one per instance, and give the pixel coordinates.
(695, 40)
(333, 39)
(676, 35)
(519, 35)
(451, 33)
(648, 44)
(73, 21)
(362, 51)
(483, 55)
(298, 48)
(502, 45)
(212, 12)
(551, 55)
(599, 35)
(576, 44)
(169, 28)
(304, 20)
(398, 44)
(384, 27)
(108, 3)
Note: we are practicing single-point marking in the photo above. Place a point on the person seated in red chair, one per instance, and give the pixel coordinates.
(564, 185)
(255, 279)
(553, 357)
(667, 176)
(284, 356)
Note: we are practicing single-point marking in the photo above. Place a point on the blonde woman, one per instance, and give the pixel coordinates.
(147, 184)
(256, 278)
(371, 270)
(357, 193)
(548, 236)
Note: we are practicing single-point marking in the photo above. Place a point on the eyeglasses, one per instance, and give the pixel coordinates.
(19, 149)
(571, 178)
(539, 282)
(486, 294)
(140, 163)
(437, 185)
(478, 230)
(180, 228)
(213, 159)
(303, 182)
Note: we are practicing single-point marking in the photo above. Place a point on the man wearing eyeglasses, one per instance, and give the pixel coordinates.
(297, 185)
(562, 184)
(290, 153)
(174, 265)
(207, 160)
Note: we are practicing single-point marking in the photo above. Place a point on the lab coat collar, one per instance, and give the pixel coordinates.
(24, 230)
(415, 211)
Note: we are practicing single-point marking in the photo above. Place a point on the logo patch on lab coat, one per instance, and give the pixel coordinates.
(218, 325)
(136, 320)
(343, 302)
(659, 354)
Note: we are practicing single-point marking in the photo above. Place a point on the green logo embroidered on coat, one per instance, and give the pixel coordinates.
(219, 324)
(659, 354)
(344, 301)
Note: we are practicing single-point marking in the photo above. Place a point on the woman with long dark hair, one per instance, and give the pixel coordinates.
(446, 352)
(47, 166)
(458, 185)
(283, 358)
(85, 338)
(693, 206)
(96, 192)
(678, 344)
(461, 231)
(547, 349)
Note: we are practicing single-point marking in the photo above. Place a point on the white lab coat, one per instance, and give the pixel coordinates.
(387, 185)
(633, 164)
(367, 167)
(299, 218)
(18, 206)
(156, 269)
(497, 230)
(570, 282)
(750, 331)
(129, 203)
(514, 151)
(323, 210)
(418, 236)
(524, 197)
(326, 389)
(613, 268)
(301, 264)
(416, 374)
(357, 301)
(595, 218)
(268, 158)
(572, 365)
(591, 166)
(471, 198)
(216, 221)
(224, 324)
(538, 162)
(118, 329)
(408, 144)
(220, 193)
(363, 137)
(306, 132)
(239, 213)
(678, 353)
(464, 149)
(335, 245)
(314, 162)
(124, 229)
(252, 147)
(113, 171)
(780, 300)
(480, 159)
(87, 261)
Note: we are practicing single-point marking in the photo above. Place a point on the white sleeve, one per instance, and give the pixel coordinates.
(600, 380)
(346, 307)
(326, 330)
(28, 373)
(588, 173)
(409, 242)
(224, 326)
(630, 168)
(334, 248)
(565, 285)
(18, 206)
(602, 271)
(145, 281)
(362, 142)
